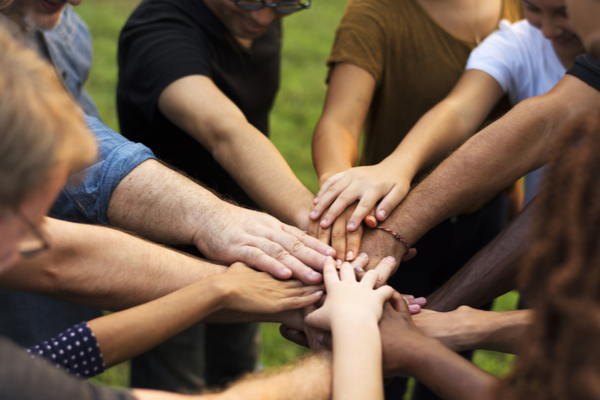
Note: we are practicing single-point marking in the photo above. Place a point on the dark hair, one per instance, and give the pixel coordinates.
(560, 357)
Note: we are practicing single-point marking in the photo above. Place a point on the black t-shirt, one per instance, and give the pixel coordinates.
(587, 68)
(24, 378)
(165, 40)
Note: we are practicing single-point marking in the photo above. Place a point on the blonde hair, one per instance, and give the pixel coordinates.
(41, 127)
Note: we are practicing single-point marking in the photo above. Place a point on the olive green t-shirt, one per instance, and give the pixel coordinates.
(414, 61)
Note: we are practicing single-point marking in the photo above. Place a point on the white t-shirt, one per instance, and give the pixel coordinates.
(525, 65)
(520, 59)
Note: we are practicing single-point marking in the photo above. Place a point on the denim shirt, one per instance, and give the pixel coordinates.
(69, 47)
(87, 201)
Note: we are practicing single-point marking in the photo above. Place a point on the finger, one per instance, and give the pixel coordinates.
(385, 269)
(390, 202)
(277, 255)
(326, 200)
(338, 237)
(324, 235)
(353, 240)
(340, 204)
(421, 301)
(313, 227)
(258, 259)
(294, 303)
(401, 306)
(371, 221)
(370, 279)
(293, 335)
(347, 272)
(309, 250)
(330, 275)
(386, 292)
(360, 262)
(309, 241)
(395, 301)
(411, 253)
(363, 209)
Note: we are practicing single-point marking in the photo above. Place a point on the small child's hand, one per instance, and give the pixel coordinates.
(347, 299)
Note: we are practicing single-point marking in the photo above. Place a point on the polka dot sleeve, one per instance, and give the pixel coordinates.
(75, 350)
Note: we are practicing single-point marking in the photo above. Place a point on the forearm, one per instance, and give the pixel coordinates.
(160, 204)
(488, 162)
(437, 133)
(357, 352)
(197, 106)
(309, 379)
(256, 164)
(451, 376)
(491, 272)
(334, 149)
(467, 328)
(128, 333)
(105, 268)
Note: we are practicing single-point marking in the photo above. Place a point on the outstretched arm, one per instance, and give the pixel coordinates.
(335, 147)
(441, 130)
(407, 351)
(467, 328)
(514, 145)
(308, 379)
(491, 272)
(163, 205)
(125, 334)
(104, 268)
(196, 105)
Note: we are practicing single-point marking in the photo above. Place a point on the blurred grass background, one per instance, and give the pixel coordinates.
(307, 40)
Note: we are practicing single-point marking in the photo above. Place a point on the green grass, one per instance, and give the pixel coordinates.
(307, 40)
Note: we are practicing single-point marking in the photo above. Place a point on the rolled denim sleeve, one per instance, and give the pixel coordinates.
(87, 200)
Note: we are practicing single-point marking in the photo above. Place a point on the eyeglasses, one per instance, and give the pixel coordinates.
(282, 7)
(34, 242)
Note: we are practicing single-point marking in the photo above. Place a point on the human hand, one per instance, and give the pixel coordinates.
(346, 244)
(256, 292)
(400, 338)
(348, 299)
(263, 242)
(368, 184)
(459, 330)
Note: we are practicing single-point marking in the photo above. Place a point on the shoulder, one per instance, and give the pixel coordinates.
(71, 30)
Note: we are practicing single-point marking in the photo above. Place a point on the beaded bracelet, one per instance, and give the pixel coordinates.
(396, 235)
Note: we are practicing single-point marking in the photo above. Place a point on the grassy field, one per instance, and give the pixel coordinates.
(307, 41)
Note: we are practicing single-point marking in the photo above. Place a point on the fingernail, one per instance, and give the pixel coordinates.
(409, 296)
(351, 226)
(363, 255)
(312, 214)
(338, 263)
(330, 252)
(314, 275)
(390, 258)
(414, 308)
(381, 214)
(350, 256)
(316, 200)
(358, 269)
(421, 300)
(319, 293)
(324, 223)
